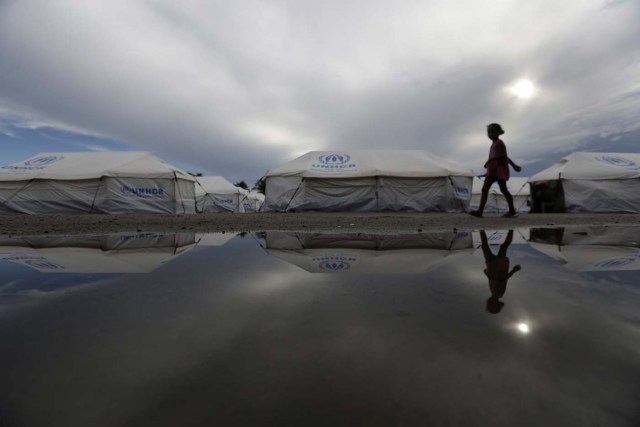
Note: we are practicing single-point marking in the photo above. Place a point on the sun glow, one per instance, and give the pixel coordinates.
(523, 89)
(523, 327)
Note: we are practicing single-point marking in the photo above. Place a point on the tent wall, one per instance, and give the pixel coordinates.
(442, 194)
(367, 194)
(116, 253)
(580, 195)
(215, 203)
(109, 195)
(185, 196)
(250, 205)
(38, 197)
(602, 196)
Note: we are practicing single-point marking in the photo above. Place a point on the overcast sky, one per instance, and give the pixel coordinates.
(235, 88)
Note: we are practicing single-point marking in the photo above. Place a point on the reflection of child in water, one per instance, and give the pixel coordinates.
(497, 271)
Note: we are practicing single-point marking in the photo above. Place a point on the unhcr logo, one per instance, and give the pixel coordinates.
(143, 191)
(335, 265)
(461, 191)
(334, 159)
(43, 264)
(37, 163)
(618, 161)
(333, 163)
(43, 161)
(616, 262)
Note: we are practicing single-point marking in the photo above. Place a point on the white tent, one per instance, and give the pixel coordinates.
(369, 254)
(95, 182)
(496, 202)
(590, 248)
(374, 180)
(252, 201)
(216, 194)
(116, 253)
(589, 182)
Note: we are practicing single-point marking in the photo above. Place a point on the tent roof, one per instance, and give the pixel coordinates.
(90, 165)
(360, 163)
(592, 257)
(516, 185)
(215, 185)
(586, 165)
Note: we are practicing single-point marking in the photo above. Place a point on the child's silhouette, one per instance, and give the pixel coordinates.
(497, 271)
(497, 170)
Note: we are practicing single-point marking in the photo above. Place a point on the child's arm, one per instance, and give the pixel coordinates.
(514, 270)
(514, 166)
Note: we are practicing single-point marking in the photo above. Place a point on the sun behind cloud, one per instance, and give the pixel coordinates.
(523, 88)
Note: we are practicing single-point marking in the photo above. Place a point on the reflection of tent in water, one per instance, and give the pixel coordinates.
(590, 249)
(117, 253)
(498, 237)
(348, 253)
(214, 239)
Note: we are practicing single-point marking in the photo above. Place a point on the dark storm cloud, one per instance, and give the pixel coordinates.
(237, 88)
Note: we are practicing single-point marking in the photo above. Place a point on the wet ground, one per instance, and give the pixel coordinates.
(529, 327)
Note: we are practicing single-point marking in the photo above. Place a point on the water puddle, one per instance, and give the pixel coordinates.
(491, 327)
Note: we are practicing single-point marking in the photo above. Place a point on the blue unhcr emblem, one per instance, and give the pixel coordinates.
(334, 159)
(43, 264)
(335, 265)
(43, 161)
(616, 262)
(461, 191)
(617, 161)
(142, 191)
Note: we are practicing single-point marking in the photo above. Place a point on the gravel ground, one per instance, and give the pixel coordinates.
(383, 223)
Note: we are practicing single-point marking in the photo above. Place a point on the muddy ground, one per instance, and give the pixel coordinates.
(383, 223)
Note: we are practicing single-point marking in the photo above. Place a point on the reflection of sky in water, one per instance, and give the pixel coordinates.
(224, 333)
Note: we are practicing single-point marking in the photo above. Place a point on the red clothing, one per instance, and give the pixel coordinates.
(498, 163)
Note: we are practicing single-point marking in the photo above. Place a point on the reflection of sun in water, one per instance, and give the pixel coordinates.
(523, 89)
(523, 327)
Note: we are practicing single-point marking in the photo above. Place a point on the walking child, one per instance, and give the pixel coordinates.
(497, 170)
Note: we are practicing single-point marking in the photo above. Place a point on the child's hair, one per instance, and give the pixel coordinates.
(497, 127)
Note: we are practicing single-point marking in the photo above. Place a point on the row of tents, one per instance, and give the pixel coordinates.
(346, 181)
(419, 181)
(582, 249)
(115, 183)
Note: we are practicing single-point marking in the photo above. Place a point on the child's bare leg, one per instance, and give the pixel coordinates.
(507, 196)
(485, 195)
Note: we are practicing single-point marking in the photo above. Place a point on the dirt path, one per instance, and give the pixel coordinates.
(348, 222)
